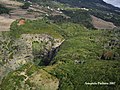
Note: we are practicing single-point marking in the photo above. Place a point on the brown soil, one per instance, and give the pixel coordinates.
(21, 22)
(5, 23)
(10, 2)
(101, 24)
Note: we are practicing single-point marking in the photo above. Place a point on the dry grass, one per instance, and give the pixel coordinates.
(44, 81)
(5, 23)
(11, 2)
(101, 24)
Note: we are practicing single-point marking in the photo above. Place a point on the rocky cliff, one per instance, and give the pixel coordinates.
(34, 48)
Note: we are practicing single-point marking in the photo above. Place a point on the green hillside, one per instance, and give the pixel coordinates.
(78, 61)
(34, 27)
(97, 8)
(80, 56)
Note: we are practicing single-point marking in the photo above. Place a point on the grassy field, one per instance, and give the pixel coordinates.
(33, 27)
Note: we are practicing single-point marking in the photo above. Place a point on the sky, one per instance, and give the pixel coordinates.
(113, 2)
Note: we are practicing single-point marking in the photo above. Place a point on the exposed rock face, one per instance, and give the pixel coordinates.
(23, 52)
(48, 44)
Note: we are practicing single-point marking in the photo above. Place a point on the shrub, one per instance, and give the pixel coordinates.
(3, 9)
(26, 5)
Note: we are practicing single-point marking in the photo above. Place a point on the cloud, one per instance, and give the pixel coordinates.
(113, 2)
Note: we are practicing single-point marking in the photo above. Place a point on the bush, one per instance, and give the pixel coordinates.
(26, 5)
(4, 9)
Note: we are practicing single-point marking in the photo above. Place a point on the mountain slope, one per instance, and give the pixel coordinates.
(98, 4)
(99, 8)
(61, 51)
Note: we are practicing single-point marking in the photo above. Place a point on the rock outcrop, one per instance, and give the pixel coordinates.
(23, 51)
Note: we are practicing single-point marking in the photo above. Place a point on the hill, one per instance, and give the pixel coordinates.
(98, 8)
(60, 45)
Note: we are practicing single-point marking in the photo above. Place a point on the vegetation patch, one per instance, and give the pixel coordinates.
(75, 16)
(34, 27)
(87, 55)
(4, 10)
(79, 59)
